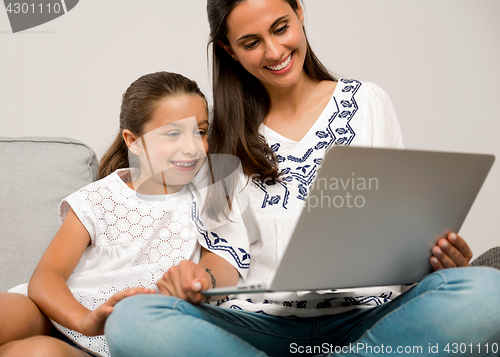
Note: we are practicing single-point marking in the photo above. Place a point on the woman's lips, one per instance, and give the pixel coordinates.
(282, 65)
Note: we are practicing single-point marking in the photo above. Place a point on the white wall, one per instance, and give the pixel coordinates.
(437, 59)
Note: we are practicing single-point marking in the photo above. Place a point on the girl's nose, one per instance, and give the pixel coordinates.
(190, 145)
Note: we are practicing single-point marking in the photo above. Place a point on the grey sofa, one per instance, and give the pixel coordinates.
(35, 174)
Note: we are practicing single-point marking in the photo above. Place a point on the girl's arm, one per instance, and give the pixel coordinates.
(187, 279)
(48, 289)
(47, 286)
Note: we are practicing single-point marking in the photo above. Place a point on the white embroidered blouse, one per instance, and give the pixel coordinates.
(358, 114)
(134, 239)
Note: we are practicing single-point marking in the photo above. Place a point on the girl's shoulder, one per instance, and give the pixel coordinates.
(112, 186)
(116, 179)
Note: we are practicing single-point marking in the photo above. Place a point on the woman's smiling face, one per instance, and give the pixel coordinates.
(267, 38)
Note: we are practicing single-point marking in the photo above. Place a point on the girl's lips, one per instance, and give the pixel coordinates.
(281, 66)
(185, 165)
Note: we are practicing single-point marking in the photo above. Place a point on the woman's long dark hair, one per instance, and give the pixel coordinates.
(138, 104)
(240, 101)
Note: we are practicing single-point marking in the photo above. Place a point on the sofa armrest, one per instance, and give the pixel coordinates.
(36, 173)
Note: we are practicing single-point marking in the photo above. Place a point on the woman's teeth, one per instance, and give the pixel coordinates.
(282, 65)
(184, 164)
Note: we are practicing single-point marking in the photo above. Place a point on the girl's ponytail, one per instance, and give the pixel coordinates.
(115, 158)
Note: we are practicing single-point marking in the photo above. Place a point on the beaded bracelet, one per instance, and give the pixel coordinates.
(211, 275)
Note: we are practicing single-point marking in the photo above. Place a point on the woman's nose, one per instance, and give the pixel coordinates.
(274, 50)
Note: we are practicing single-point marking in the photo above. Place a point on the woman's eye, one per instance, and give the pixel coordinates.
(251, 45)
(201, 132)
(282, 29)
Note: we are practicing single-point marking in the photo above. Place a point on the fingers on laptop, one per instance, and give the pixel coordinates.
(450, 252)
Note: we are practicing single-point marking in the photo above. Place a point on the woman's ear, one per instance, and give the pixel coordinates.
(228, 49)
(300, 12)
(131, 141)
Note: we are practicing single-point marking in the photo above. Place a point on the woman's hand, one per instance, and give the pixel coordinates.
(92, 324)
(450, 252)
(185, 281)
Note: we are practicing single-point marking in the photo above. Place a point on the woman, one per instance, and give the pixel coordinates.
(278, 110)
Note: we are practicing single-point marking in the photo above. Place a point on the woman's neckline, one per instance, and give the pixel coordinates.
(325, 109)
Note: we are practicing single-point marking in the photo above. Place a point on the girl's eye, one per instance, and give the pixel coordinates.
(201, 133)
(251, 45)
(282, 29)
(172, 134)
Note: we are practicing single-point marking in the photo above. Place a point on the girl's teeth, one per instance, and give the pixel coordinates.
(184, 164)
(281, 66)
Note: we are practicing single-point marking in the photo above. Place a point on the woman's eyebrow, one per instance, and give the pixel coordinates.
(277, 21)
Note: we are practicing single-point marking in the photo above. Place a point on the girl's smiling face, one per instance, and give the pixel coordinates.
(267, 38)
(174, 144)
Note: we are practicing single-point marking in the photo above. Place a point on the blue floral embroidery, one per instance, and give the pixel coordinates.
(217, 238)
(321, 145)
(239, 258)
(274, 200)
(321, 134)
(344, 114)
(346, 103)
(337, 132)
(302, 192)
(366, 300)
(303, 158)
(302, 304)
(326, 303)
(305, 178)
(339, 123)
(245, 254)
(303, 168)
(280, 158)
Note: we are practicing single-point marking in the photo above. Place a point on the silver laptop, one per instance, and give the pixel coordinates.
(372, 216)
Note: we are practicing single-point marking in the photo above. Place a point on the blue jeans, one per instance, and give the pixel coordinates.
(450, 312)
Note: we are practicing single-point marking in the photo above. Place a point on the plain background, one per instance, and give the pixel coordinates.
(437, 59)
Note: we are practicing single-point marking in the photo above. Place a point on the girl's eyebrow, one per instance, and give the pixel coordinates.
(278, 20)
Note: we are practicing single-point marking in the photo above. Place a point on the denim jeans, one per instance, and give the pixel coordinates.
(452, 312)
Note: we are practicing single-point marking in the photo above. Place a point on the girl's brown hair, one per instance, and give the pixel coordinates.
(241, 102)
(138, 103)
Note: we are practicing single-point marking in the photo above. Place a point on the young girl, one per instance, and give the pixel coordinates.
(119, 235)
(279, 110)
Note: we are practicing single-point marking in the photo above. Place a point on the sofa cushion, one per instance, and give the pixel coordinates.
(490, 258)
(36, 173)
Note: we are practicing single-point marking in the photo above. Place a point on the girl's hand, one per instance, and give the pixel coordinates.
(450, 252)
(92, 324)
(185, 281)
